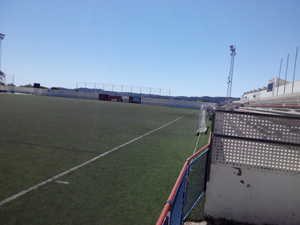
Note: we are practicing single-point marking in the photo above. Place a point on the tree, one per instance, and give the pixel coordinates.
(27, 85)
(2, 76)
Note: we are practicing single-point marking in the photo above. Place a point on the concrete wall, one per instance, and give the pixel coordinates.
(248, 195)
(254, 169)
(174, 103)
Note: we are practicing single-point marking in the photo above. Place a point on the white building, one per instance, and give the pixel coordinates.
(276, 87)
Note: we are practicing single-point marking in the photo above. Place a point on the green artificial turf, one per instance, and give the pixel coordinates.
(41, 137)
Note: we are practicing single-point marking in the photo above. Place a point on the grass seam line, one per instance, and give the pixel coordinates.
(85, 163)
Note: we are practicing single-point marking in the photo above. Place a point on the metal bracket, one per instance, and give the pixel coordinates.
(169, 201)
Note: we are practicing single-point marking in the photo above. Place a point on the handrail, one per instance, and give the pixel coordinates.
(194, 155)
(171, 196)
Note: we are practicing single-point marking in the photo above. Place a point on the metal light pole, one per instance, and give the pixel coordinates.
(1, 73)
(294, 69)
(1, 38)
(287, 65)
(229, 87)
(279, 76)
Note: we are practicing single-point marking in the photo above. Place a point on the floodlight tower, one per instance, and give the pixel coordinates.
(1, 38)
(229, 82)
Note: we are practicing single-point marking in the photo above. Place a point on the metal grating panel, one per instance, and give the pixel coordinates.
(256, 155)
(177, 203)
(263, 127)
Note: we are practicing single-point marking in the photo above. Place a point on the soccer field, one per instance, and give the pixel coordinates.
(73, 161)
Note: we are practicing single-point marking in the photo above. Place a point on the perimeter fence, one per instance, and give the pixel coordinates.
(188, 189)
(9, 79)
(122, 90)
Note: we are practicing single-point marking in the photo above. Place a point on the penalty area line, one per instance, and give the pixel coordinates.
(85, 163)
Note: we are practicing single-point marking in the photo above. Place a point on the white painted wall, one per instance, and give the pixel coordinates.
(287, 89)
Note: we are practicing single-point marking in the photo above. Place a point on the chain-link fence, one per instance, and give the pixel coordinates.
(196, 182)
(189, 190)
(9, 79)
(123, 90)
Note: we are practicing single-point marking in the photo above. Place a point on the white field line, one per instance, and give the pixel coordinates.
(197, 143)
(62, 182)
(85, 163)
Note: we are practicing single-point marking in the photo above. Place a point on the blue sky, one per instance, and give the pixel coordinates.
(177, 45)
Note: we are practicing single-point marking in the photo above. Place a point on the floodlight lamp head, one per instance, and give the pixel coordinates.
(2, 36)
(232, 49)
